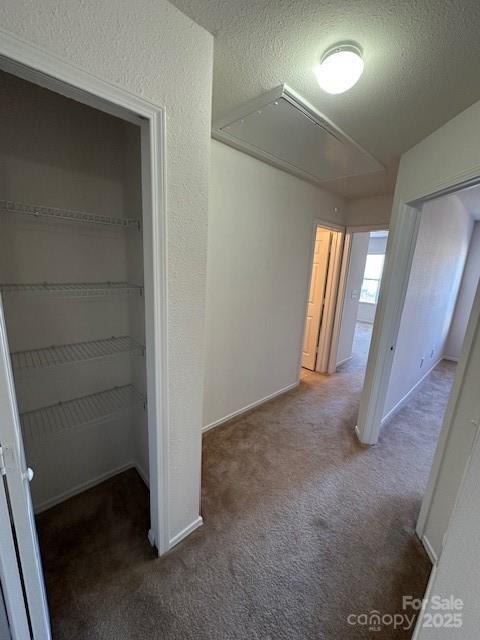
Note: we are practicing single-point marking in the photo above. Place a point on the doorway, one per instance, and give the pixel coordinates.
(359, 291)
(81, 333)
(322, 296)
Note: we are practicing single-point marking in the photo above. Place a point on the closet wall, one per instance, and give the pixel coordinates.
(58, 153)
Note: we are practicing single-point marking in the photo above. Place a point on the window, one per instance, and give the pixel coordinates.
(372, 277)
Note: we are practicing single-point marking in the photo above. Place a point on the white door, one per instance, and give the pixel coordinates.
(16, 478)
(316, 296)
(13, 616)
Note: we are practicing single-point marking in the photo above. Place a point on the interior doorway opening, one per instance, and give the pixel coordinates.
(438, 320)
(363, 269)
(322, 298)
(82, 343)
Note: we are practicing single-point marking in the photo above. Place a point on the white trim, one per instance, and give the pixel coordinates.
(52, 71)
(18, 490)
(332, 226)
(219, 132)
(59, 75)
(451, 358)
(339, 364)
(331, 294)
(337, 320)
(472, 328)
(426, 597)
(81, 487)
(398, 259)
(357, 433)
(431, 580)
(249, 407)
(142, 474)
(403, 401)
(10, 578)
(429, 549)
(362, 228)
(342, 287)
(185, 532)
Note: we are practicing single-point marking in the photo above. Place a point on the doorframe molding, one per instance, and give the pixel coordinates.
(10, 575)
(406, 213)
(342, 285)
(332, 226)
(396, 274)
(45, 69)
(331, 301)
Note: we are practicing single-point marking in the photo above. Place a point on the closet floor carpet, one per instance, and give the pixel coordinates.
(303, 526)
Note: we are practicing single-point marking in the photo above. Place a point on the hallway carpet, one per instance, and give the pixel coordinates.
(303, 526)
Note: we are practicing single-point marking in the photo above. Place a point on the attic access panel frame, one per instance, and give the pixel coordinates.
(222, 131)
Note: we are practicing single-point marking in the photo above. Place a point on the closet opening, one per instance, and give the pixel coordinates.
(77, 274)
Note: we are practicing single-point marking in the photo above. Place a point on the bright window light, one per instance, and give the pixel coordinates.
(372, 277)
(339, 68)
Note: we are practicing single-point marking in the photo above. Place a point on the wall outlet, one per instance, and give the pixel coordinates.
(432, 353)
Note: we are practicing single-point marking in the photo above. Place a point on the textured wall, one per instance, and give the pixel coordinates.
(459, 488)
(364, 211)
(437, 267)
(156, 52)
(259, 252)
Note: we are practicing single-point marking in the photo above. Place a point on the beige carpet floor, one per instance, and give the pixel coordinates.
(303, 526)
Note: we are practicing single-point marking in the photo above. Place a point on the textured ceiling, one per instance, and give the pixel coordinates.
(422, 62)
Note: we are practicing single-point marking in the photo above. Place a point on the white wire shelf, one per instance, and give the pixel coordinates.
(58, 355)
(54, 214)
(80, 412)
(74, 289)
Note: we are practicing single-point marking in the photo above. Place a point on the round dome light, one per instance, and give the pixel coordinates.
(340, 68)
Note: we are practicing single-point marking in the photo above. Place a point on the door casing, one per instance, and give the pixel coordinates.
(40, 67)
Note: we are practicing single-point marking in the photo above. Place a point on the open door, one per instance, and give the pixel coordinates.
(316, 297)
(13, 612)
(16, 510)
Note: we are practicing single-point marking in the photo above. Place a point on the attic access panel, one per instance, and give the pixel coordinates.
(284, 130)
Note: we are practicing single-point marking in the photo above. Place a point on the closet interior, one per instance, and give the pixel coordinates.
(71, 273)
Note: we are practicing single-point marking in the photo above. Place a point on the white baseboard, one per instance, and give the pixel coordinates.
(429, 549)
(142, 474)
(185, 532)
(339, 364)
(451, 358)
(403, 401)
(257, 403)
(83, 486)
(419, 624)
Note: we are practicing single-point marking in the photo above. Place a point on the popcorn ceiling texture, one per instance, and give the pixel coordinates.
(156, 52)
(421, 65)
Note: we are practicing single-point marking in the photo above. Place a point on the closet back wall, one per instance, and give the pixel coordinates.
(75, 159)
(56, 152)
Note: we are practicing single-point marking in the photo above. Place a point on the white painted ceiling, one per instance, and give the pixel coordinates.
(422, 61)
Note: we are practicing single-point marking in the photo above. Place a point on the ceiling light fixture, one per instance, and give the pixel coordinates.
(340, 68)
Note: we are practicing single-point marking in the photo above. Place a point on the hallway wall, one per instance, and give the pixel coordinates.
(366, 211)
(437, 267)
(259, 260)
(465, 298)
